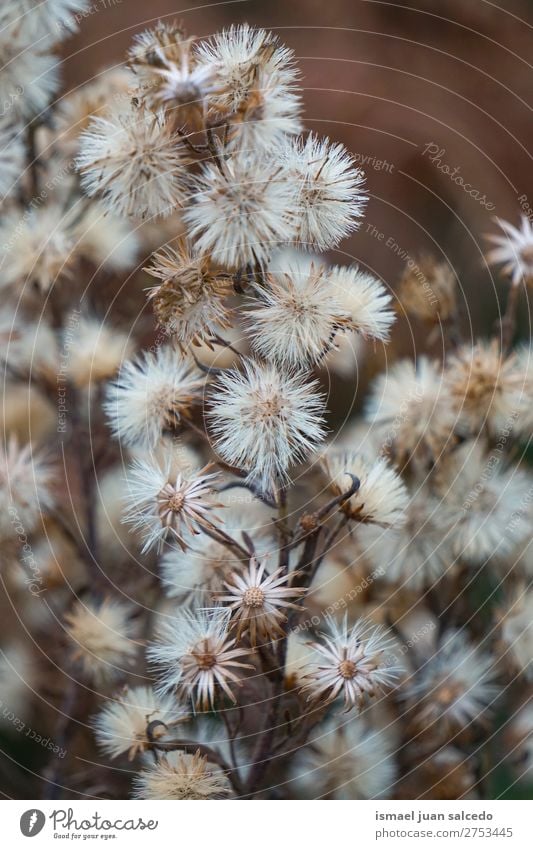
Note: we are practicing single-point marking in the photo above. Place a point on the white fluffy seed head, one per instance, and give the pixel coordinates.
(11, 157)
(296, 316)
(151, 393)
(514, 250)
(328, 191)
(265, 420)
(132, 160)
(240, 212)
(181, 776)
(364, 299)
(102, 639)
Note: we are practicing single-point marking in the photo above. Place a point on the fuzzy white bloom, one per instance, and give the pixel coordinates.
(98, 351)
(198, 656)
(411, 410)
(11, 157)
(454, 688)
(37, 248)
(122, 725)
(27, 346)
(180, 776)
(106, 240)
(364, 299)
(514, 249)
(132, 160)
(189, 301)
(354, 663)
(38, 19)
(518, 741)
(417, 554)
(163, 503)
(171, 75)
(259, 601)
(492, 505)
(242, 57)
(29, 74)
(487, 390)
(381, 498)
(346, 760)
(296, 316)
(151, 393)
(264, 421)
(102, 639)
(328, 197)
(241, 211)
(516, 630)
(25, 489)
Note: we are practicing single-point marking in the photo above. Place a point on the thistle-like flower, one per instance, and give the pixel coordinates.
(199, 657)
(412, 411)
(239, 57)
(328, 191)
(189, 301)
(26, 480)
(122, 725)
(36, 19)
(163, 503)
(487, 389)
(98, 352)
(514, 249)
(264, 420)
(364, 299)
(37, 248)
(297, 316)
(180, 776)
(355, 664)
(428, 289)
(258, 601)
(240, 210)
(381, 497)
(151, 393)
(171, 75)
(131, 160)
(454, 688)
(102, 639)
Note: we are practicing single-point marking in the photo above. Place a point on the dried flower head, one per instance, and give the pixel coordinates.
(36, 19)
(163, 503)
(180, 776)
(487, 389)
(30, 73)
(491, 503)
(98, 352)
(516, 631)
(240, 209)
(258, 601)
(353, 664)
(38, 248)
(346, 760)
(189, 302)
(364, 299)
(296, 317)
(264, 420)
(171, 75)
(420, 552)
(198, 656)
(328, 191)
(381, 498)
(122, 725)
(102, 638)
(428, 289)
(26, 480)
(151, 393)
(412, 412)
(131, 160)
(514, 249)
(454, 688)
(239, 57)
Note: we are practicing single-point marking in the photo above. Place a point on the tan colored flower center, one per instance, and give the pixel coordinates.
(446, 694)
(527, 253)
(253, 597)
(205, 660)
(176, 502)
(347, 668)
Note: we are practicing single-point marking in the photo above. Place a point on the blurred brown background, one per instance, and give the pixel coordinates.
(388, 79)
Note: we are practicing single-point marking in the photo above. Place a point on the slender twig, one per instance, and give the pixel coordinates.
(507, 325)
